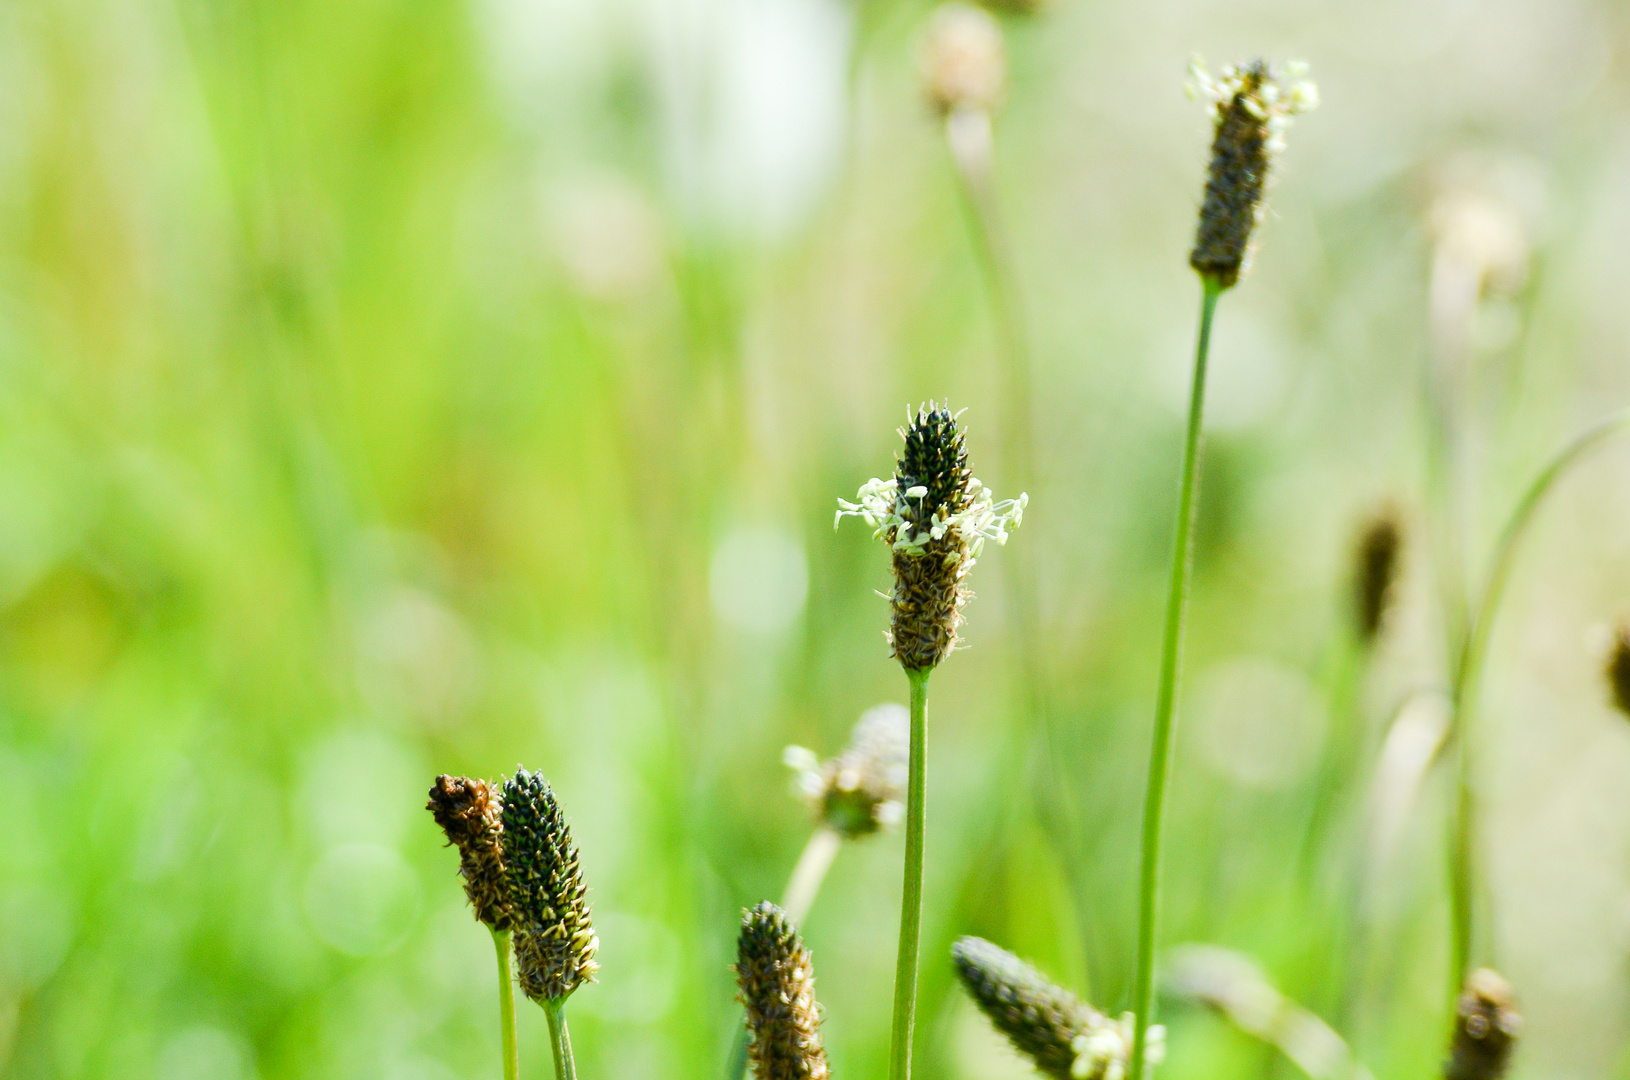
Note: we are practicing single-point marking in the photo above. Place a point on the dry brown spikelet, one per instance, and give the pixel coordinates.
(776, 978)
(470, 812)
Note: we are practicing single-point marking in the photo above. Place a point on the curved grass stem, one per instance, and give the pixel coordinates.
(911, 898)
(1468, 670)
(506, 1006)
(1154, 806)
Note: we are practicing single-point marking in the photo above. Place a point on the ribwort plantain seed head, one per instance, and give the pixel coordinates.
(554, 937)
(1250, 111)
(935, 517)
(470, 812)
(1618, 667)
(1376, 571)
(776, 978)
(861, 790)
(964, 64)
(1486, 1026)
(1066, 1038)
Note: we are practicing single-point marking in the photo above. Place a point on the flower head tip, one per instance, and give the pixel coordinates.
(1375, 573)
(470, 813)
(1251, 106)
(935, 516)
(1066, 1038)
(776, 979)
(555, 941)
(861, 790)
(1486, 1026)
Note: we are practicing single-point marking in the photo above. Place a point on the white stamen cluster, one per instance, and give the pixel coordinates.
(1104, 1052)
(882, 506)
(1270, 100)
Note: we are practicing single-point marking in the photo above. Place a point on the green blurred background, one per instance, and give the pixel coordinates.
(390, 387)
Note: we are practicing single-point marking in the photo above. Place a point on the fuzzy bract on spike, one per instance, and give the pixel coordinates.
(861, 790)
(776, 978)
(1486, 1026)
(1066, 1038)
(1376, 571)
(935, 516)
(470, 812)
(554, 937)
(1251, 107)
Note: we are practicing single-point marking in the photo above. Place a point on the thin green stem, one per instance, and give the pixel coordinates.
(506, 1006)
(560, 1039)
(1468, 672)
(810, 873)
(990, 245)
(911, 898)
(1154, 806)
(968, 135)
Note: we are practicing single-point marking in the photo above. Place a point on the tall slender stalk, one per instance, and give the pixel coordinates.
(968, 134)
(810, 873)
(506, 1006)
(1468, 672)
(911, 896)
(560, 1040)
(1154, 806)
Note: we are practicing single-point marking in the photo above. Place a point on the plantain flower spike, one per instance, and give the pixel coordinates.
(554, 937)
(1066, 1038)
(862, 789)
(776, 979)
(470, 812)
(1376, 572)
(1618, 667)
(935, 517)
(1486, 1026)
(964, 65)
(1251, 106)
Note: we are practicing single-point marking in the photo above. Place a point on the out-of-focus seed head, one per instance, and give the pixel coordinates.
(470, 813)
(1481, 237)
(1375, 571)
(964, 64)
(1618, 666)
(1041, 1020)
(936, 517)
(861, 790)
(1251, 107)
(555, 941)
(1486, 1026)
(776, 979)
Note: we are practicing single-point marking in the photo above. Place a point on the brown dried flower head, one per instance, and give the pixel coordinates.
(776, 978)
(1375, 572)
(935, 517)
(964, 64)
(470, 812)
(1486, 1026)
(555, 941)
(1250, 110)
(861, 790)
